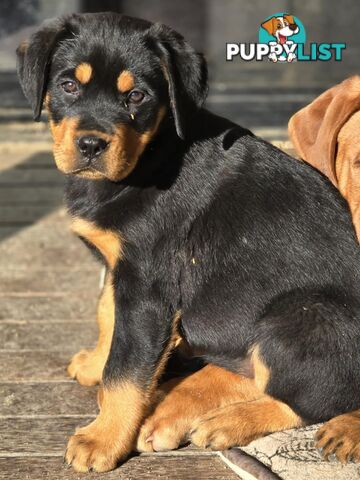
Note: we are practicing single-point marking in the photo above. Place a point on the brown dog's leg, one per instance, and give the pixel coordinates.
(186, 400)
(87, 365)
(240, 423)
(216, 408)
(340, 436)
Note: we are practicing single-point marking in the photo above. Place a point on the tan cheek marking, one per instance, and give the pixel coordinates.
(125, 81)
(126, 148)
(64, 146)
(109, 244)
(83, 73)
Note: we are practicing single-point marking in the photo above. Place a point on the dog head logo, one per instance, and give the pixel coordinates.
(282, 32)
(281, 27)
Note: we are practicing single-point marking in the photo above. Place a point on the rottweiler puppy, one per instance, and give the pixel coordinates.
(211, 237)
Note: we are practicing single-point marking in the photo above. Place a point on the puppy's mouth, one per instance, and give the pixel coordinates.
(282, 39)
(86, 171)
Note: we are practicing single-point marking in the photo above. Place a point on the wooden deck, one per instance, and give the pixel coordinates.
(48, 287)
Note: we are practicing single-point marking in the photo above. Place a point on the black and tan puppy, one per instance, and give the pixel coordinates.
(208, 233)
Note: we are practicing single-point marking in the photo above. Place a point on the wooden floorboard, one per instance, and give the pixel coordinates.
(158, 467)
(45, 280)
(56, 398)
(47, 336)
(33, 366)
(71, 307)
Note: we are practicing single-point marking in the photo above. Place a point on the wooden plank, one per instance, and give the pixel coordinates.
(73, 307)
(31, 195)
(48, 244)
(8, 231)
(47, 435)
(32, 156)
(63, 337)
(56, 398)
(157, 466)
(23, 213)
(49, 280)
(31, 177)
(37, 436)
(38, 366)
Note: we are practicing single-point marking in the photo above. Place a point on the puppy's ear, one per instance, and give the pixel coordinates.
(33, 62)
(315, 128)
(290, 19)
(185, 72)
(270, 25)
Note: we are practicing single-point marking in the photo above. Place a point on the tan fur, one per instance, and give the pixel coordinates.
(24, 45)
(107, 242)
(167, 351)
(290, 19)
(211, 402)
(125, 81)
(243, 422)
(111, 435)
(65, 150)
(83, 73)
(340, 436)
(261, 371)
(87, 365)
(184, 401)
(270, 25)
(120, 158)
(347, 166)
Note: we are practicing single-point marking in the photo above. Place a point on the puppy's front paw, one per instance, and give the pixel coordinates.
(87, 367)
(291, 57)
(273, 57)
(94, 449)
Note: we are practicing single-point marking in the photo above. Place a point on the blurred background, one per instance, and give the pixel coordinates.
(257, 94)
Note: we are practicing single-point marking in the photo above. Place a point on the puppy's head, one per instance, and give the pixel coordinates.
(281, 27)
(109, 82)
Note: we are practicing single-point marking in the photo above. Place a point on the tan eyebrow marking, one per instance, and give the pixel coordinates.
(125, 81)
(83, 72)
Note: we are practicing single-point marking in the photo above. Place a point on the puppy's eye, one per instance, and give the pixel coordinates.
(70, 87)
(135, 97)
(279, 25)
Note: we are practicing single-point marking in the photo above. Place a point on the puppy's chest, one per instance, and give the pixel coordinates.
(108, 243)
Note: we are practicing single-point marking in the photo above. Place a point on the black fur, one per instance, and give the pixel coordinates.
(252, 246)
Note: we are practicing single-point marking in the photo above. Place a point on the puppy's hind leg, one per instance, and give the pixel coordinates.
(87, 365)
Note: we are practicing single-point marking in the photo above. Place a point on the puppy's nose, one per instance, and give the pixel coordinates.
(293, 26)
(90, 146)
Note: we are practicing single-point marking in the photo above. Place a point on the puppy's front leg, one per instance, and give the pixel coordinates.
(144, 334)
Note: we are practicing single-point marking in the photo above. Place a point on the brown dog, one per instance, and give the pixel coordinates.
(326, 135)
